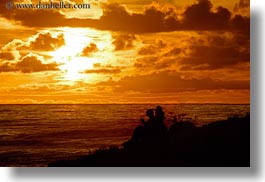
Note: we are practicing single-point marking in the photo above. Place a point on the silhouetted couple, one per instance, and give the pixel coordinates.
(152, 131)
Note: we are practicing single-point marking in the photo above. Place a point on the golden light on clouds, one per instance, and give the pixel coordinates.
(74, 67)
(83, 48)
(129, 51)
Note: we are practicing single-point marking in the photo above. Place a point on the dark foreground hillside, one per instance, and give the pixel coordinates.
(222, 143)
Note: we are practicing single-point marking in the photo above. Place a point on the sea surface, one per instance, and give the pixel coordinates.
(34, 135)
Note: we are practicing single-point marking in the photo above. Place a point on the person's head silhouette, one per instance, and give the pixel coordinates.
(150, 113)
(159, 111)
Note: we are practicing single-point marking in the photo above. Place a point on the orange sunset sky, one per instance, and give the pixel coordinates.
(127, 51)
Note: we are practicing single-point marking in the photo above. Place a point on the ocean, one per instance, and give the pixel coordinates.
(34, 135)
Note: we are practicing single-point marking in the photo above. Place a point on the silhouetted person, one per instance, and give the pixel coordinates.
(160, 117)
(151, 122)
(143, 132)
(159, 114)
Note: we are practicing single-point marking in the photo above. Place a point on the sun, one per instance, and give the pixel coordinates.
(72, 63)
(75, 67)
(68, 57)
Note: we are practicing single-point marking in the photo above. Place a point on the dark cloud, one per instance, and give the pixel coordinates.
(214, 57)
(123, 41)
(7, 55)
(28, 64)
(241, 23)
(31, 64)
(173, 52)
(43, 41)
(103, 69)
(216, 52)
(152, 49)
(201, 16)
(8, 52)
(152, 19)
(146, 62)
(151, 63)
(7, 67)
(203, 51)
(46, 42)
(14, 44)
(157, 56)
(237, 41)
(165, 82)
(155, 18)
(91, 48)
(242, 6)
(33, 18)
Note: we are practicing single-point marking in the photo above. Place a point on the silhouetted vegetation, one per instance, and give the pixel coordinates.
(222, 143)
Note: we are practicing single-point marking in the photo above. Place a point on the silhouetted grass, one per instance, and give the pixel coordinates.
(222, 143)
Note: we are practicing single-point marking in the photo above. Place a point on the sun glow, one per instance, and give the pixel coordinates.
(75, 41)
(72, 63)
(75, 67)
